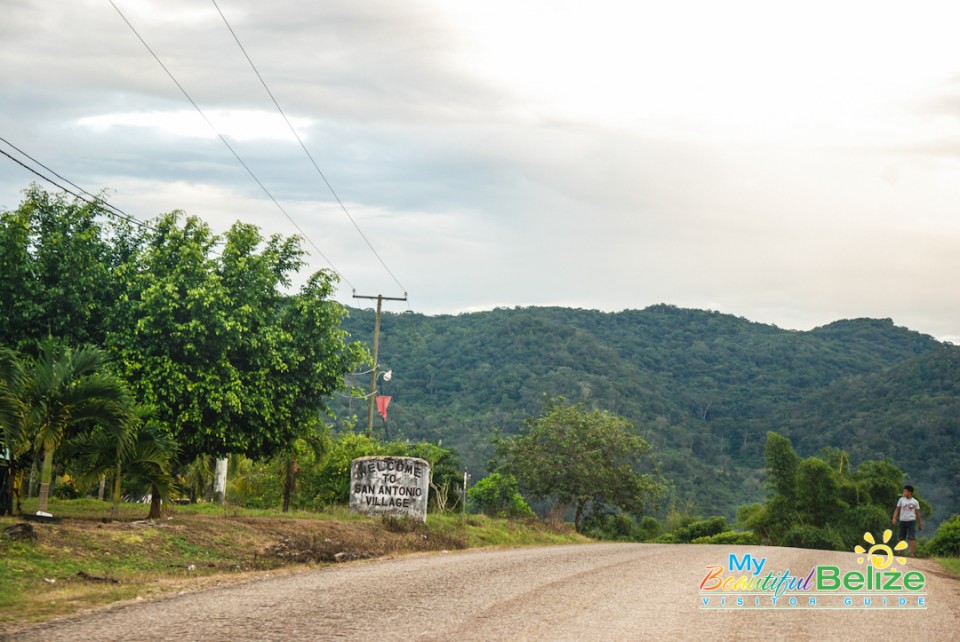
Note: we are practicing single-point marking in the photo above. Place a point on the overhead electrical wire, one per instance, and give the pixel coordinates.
(227, 144)
(305, 150)
(111, 210)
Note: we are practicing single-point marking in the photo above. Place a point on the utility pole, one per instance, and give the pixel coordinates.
(376, 349)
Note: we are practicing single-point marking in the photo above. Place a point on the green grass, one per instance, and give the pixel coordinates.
(481, 530)
(952, 564)
(194, 545)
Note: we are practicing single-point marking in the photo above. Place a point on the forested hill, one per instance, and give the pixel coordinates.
(703, 387)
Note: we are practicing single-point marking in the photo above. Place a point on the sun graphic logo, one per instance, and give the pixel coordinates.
(880, 555)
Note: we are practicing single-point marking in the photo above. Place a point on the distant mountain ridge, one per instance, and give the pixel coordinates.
(702, 387)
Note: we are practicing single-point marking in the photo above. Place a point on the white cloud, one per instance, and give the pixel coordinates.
(237, 124)
(787, 163)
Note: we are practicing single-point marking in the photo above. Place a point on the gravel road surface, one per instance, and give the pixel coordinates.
(579, 592)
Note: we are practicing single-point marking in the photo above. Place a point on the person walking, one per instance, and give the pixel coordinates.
(908, 512)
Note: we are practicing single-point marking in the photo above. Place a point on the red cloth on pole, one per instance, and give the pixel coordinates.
(382, 403)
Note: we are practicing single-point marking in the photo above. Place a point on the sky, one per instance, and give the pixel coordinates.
(789, 163)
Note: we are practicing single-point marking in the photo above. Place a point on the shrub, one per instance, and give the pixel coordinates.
(728, 537)
(65, 488)
(867, 518)
(947, 540)
(666, 538)
(648, 529)
(499, 495)
(618, 527)
(702, 528)
(813, 537)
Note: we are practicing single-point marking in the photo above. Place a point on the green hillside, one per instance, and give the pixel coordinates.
(909, 412)
(702, 387)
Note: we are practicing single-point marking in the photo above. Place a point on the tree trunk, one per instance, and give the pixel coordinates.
(46, 476)
(32, 480)
(290, 483)
(103, 487)
(155, 506)
(6, 490)
(17, 485)
(115, 509)
(581, 504)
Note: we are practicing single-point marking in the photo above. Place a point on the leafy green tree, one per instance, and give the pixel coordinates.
(18, 286)
(172, 336)
(818, 500)
(56, 263)
(878, 482)
(815, 503)
(14, 437)
(581, 457)
(499, 495)
(782, 463)
(231, 363)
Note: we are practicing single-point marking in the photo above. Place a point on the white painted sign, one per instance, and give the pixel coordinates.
(390, 486)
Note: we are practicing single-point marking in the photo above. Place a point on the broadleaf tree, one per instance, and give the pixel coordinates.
(588, 459)
(55, 259)
(232, 363)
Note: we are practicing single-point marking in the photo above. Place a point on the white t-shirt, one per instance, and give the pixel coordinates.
(908, 509)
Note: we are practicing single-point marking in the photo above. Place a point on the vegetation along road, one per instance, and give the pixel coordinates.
(578, 592)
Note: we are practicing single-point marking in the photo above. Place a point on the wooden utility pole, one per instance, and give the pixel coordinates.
(376, 349)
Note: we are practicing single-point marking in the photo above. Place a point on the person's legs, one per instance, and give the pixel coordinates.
(908, 531)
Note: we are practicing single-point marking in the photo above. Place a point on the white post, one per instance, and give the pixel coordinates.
(220, 482)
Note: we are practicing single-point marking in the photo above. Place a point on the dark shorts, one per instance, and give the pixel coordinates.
(908, 530)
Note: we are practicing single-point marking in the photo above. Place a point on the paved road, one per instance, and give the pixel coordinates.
(581, 592)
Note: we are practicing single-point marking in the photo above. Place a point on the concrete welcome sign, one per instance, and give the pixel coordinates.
(390, 486)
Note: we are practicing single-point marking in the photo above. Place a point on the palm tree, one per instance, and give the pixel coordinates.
(64, 387)
(316, 439)
(138, 450)
(197, 477)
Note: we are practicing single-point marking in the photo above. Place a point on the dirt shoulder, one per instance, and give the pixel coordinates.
(84, 563)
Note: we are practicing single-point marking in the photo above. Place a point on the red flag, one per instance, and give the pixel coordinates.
(382, 403)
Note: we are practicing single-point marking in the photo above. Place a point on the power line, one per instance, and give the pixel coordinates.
(305, 150)
(111, 209)
(227, 144)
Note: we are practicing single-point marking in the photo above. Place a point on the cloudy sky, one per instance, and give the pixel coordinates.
(791, 163)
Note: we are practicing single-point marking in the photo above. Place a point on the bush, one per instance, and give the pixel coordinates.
(728, 537)
(946, 542)
(65, 488)
(667, 538)
(867, 518)
(648, 529)
(499, 495)
(617, 527)
(702, 528)
(813, 537)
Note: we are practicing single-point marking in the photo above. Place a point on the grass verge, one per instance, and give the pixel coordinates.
(951, 564)
(86, 561)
